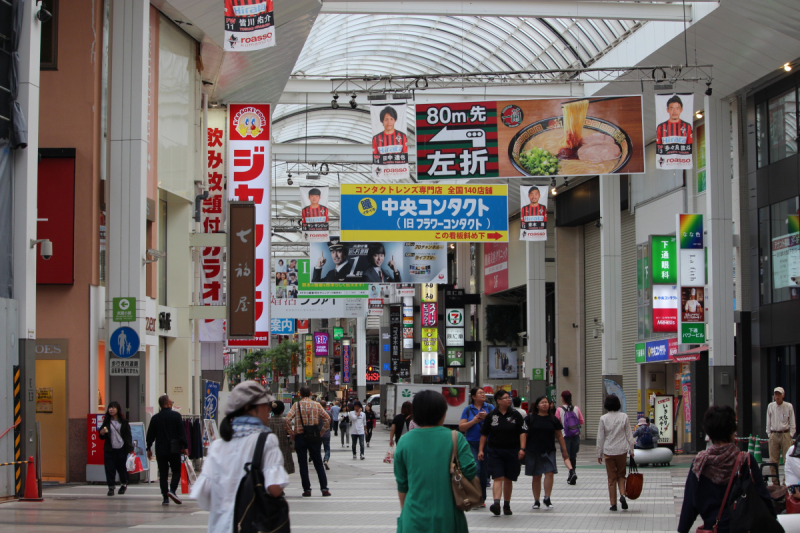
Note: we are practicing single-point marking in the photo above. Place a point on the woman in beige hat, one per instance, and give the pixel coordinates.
(247, 416)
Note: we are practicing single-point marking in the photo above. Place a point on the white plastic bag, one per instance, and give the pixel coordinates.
(389, 456)
(130, 463)
(189, 470)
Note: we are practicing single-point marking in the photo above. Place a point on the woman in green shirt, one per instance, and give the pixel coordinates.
(422, 471)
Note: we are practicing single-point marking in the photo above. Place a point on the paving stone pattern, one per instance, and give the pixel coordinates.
(364, 498)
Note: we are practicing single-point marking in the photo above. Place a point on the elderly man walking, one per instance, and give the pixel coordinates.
(780, 429)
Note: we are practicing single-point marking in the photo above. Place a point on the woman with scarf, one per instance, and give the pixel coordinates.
(278, 426)
(711, 471)
(247, 416)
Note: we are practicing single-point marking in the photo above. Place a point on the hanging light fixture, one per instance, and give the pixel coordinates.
(353, 103)
(553, 189)
(335, 102)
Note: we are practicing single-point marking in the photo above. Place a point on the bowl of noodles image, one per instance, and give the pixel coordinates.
(598, 147)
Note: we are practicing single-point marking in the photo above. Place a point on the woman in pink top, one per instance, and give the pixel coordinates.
(571, 418)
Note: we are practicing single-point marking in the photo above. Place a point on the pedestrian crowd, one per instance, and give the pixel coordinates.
(254, 456)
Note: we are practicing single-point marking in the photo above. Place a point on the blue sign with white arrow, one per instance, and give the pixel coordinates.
(124, 342)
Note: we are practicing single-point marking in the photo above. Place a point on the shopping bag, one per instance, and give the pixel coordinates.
(190, 471)
(130, 464)
(184, 476)
(389, 456)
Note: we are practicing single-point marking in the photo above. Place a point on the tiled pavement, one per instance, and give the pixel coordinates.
(364, 498)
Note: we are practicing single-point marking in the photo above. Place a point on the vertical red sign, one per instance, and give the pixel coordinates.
(249, 181)
(495, 262)
(94, 444)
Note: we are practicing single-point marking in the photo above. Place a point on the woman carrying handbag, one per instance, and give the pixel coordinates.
(614, 444)
(711, 479)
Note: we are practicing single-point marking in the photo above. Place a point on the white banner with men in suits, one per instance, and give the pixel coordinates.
(378, 262)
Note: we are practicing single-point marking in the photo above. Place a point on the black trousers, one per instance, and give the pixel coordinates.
(170, 461)
(303, 453)
(115, 464)
(368, 429)
(335, 427)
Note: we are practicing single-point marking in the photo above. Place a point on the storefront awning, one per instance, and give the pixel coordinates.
(690, 355)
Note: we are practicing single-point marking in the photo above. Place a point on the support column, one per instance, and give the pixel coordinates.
(26, 172)
(25, 200)
(361, 356)
(536, 328)
(719, 240)
(127, 160)
(611, 275)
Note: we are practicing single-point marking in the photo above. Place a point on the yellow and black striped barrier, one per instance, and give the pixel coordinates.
(15, 463)
(17, 432)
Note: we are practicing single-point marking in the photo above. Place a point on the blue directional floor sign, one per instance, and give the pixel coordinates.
(124, 342)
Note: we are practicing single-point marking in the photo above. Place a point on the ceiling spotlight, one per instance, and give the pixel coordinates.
(708, 88)
(289, 182)
(43, 14)
(334, 102)
(353, 103)
(787, 67)
(290, 175)
(553, 189)
(698, 115)
(566, 182)
(323, 169)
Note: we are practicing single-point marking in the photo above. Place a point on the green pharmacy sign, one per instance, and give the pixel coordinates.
(538, 374)
(664, 260)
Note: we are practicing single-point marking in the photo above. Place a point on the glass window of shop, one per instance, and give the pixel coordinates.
(785, 249)
(783, 372)
(776, 125)
(764, 247)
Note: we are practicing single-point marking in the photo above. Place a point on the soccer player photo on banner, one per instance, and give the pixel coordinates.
(314, 220)
(249, 25)
(533, 213)
(389, 141)
(674, 130)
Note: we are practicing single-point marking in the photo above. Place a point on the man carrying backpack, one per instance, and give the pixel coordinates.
(646, 435)
(571, 418)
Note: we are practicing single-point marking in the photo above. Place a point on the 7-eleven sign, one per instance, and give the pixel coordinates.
(455, 317)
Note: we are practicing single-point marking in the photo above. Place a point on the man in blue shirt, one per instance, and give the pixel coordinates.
(335, 417)
(471, 421)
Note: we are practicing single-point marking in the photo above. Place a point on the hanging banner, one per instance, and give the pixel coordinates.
(321, 344)
(375, 306)
(503, 363)
(429, 314)
(396, 334)
(309, 357)
(495, 263)
(665, 308)
(404, 289)
(346, 362)
(379, 262)
(430, 352)
(692, 304)
(249, 181)
(533, 213)
(410, 212)
(674, 131)
(519, 138)
(211, 400)
(314, 215)
(212, 212)
(290, 301)
(389, 141)
(249, 25)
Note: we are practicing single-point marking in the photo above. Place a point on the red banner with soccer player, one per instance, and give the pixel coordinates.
(249, 181)
(249, 25)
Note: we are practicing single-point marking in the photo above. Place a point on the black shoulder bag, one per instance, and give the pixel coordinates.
(750, 512)
(255, 511)
(310, 432)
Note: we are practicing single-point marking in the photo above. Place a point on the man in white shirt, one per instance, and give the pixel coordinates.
(780, 429)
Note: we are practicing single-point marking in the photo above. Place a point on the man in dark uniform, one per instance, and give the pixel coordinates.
(342, 266)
